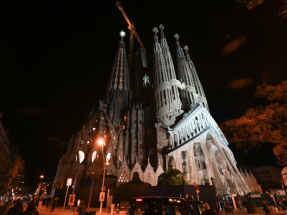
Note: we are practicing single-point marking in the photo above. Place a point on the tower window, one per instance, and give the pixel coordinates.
(81, 156)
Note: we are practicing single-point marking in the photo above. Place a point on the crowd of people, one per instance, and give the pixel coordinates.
(33, 206)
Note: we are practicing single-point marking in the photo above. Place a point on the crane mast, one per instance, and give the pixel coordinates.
(133, 33)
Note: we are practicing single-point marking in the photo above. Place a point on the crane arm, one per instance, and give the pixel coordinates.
(131, 26)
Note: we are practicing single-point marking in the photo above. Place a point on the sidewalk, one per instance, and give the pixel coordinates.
(59, 211)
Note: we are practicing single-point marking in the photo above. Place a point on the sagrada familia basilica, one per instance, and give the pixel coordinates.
(151, 127)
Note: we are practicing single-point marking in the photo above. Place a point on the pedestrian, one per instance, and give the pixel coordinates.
(48, 201)
(16, 209)
(53, 204)
(207, 210)
(217, 208)
(79, 202)
(31, 209)
(266, 208)
(221, 205)
(281, 204)
(37, 202)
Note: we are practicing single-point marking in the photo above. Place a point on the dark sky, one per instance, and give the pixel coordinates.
(56, 56)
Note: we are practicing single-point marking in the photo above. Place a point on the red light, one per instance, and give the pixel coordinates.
(139, 200)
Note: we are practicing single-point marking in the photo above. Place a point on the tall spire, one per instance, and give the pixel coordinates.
(118, 91)
(162, 88)
(185, 76)
(176, 104)
(198, 87)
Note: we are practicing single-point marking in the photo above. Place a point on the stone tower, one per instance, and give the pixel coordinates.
(118, 95)
(198, 87)
(185, 75)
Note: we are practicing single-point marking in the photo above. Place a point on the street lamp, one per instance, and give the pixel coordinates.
(39, 187)
(102, 143)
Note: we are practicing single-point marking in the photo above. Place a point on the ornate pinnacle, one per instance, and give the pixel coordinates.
(161, 27)
(122, 33)
(176, 40)
(155, 30)
(176, 37)
(186, 49)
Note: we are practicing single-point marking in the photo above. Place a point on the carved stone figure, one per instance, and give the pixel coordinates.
(185, 168)
(146, 80)
(197, 149)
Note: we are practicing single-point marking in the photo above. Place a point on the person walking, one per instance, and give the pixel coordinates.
(37, 202)
(79, 202)
(282, 205)
(207, 210)
(31, 209)
(48, 201)
(266, 208)
(53, 204)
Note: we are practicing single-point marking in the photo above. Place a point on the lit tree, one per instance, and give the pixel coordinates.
(5, 162)
(95, 172)
(250, 4)
(172, 177)
(263, 124)
(13, 171)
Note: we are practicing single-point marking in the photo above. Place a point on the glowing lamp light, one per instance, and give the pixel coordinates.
(41, 176)
(107, 163)
(94, 129)
(88, 141)
(101, 142)
(139, 200)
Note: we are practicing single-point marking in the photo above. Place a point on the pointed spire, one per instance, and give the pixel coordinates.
(183, 67)
(166, 55)
(160, 75)
(198, 86)
(118, 91)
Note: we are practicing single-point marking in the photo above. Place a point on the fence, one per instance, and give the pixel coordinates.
(207, 194)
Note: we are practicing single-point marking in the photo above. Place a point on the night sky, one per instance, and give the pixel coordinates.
(55, 59)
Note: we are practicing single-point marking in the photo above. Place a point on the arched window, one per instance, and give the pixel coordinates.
(94, 156)
(108, 158)
(81, 156)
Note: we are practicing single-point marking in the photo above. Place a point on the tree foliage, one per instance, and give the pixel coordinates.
(263, 124)
(97, 168)
(172, 177)
(250, 4)
(13, 171)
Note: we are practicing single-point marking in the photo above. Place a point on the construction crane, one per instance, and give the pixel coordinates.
(132, 33)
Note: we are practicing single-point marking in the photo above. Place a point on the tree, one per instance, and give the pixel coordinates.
(5, 162)
(172, 177)
(250, 4)
(13, 171)
(95, 172)
(263, 124)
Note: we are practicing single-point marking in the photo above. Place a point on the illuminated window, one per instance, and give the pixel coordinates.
(125, 118)
(94, 155)
(111, 117)
(81, 156)
(76, 157)
(124, 127)
(108, 158)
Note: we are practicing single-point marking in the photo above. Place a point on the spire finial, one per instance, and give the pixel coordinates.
(155, 30)
(186, 49)
(176, 37)
(161, 27)
(123, 34)
(176, 40)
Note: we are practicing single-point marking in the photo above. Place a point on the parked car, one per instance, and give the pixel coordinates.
(194, 207)
(158, 206)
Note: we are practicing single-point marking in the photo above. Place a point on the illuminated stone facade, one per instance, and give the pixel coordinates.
(175, 130)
